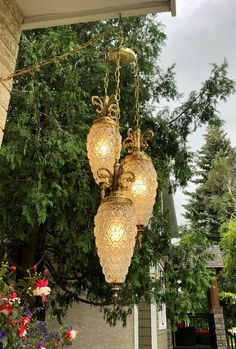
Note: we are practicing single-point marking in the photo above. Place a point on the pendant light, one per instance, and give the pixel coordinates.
(115, 232)
(104, 140)
(115, 222)
(143, 190)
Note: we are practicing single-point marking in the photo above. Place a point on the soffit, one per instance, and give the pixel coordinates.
(46, 13)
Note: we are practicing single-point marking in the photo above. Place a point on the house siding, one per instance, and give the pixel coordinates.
(144, 321)
(95, 333)
(10, 29)
(162, 339)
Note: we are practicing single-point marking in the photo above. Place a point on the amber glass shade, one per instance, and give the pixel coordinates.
(115, 234)
(103, 145)
(143, 190)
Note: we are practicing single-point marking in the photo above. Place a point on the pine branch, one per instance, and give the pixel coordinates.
(186, 109)
(66, 290)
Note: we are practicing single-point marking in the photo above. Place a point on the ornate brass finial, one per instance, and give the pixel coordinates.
(136, 141)
(106, 107)
(146, 137)
(115, 294)
(119, 180)
(139, 236)
(125, 179)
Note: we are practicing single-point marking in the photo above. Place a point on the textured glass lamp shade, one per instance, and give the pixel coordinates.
(103, 145)
(143, 190)
(115, 234)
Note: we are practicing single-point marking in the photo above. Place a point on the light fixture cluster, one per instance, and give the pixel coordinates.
(128, 187)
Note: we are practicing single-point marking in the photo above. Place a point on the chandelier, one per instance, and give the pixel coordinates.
(128, 186)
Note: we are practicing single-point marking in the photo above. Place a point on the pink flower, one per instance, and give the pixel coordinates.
(71, 334)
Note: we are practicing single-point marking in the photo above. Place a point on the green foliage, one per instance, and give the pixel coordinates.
(228, 299)
(48, 198)
(228, 243)
(221, 182)
(187, 278)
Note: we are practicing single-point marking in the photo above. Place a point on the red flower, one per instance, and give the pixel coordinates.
(41, 283)
(24, 321)
(12, 268)
(41, 289)
(21, 332)
(12, 295)
(71, 334)
(6, 308)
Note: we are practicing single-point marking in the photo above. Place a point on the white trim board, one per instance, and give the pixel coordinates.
(136, 331)
(154, 325)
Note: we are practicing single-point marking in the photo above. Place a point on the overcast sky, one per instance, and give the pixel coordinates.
(203, 32)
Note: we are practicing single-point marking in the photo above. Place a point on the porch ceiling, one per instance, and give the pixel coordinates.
(46, 13)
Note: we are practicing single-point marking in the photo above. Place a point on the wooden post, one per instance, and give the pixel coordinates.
(217, 311)
(214, 294)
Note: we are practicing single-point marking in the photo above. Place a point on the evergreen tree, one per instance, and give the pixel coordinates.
(211, 208)
(48, 198)
(216, 145)
(201, 209)
(222, 184)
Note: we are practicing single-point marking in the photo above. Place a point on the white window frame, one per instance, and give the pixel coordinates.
(162, 321)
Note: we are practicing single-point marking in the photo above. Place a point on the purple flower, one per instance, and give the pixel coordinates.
(2, 335)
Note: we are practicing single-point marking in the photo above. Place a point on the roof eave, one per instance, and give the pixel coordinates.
(56, 19)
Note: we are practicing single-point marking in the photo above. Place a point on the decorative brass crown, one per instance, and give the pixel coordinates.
(106, 107)
(136, 141)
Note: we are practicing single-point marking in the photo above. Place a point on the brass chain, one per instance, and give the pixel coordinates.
(118, 66)
(121, 34)
(106, 78)
(136, 85)
(117, 98)
(117, 79)
(57, 58)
